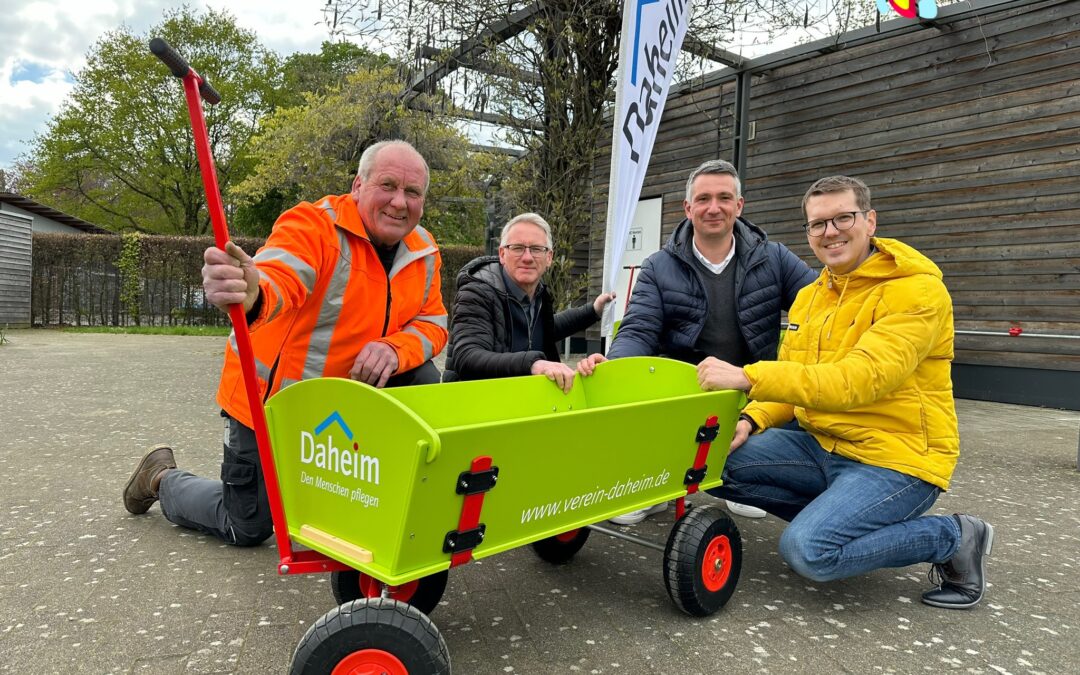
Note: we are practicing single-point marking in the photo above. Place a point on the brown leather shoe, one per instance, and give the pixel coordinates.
(139, 493)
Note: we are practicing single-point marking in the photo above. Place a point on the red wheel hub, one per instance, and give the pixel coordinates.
(716, 566)
(370, 662)
(370, 587)
(567, 537)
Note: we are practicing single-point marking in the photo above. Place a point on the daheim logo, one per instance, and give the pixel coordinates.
(325, 455)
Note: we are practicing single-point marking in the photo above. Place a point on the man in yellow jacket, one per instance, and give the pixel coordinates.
(865, 371)
(348, 286)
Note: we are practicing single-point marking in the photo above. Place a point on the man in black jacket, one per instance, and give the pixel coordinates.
(504, 320)
(715, 289)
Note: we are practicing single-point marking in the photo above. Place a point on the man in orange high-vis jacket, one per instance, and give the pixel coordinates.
(348, 286)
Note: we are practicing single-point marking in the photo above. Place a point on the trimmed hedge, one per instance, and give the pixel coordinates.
(453, 259)
(89, 280)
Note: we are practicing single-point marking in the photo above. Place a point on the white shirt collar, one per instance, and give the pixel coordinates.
(715, 268)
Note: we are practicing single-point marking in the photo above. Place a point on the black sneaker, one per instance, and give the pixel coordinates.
(961, 580)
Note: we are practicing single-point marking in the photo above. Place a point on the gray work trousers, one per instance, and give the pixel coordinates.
(235, 508)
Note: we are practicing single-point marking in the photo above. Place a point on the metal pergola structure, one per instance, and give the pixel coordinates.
(470, 54)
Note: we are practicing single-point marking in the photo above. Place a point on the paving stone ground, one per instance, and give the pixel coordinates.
(87, 588)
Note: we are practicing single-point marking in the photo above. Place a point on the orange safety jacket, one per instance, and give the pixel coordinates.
(325, 295)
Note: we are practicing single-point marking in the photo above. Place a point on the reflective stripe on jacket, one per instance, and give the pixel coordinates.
(866, 366)
(325, 295)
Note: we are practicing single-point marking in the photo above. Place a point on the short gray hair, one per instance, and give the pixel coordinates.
(834, 184)
(367, 159)
(714, 167)
(533, 218)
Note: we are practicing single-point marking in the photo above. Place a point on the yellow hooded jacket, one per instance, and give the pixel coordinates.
(865, 366)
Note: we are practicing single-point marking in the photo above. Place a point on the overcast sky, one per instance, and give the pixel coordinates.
(43, 43)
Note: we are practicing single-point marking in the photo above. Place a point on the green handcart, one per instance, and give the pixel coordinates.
(400, 485)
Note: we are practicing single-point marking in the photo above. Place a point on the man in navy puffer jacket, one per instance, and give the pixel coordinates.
(670, 303)
(716, 288)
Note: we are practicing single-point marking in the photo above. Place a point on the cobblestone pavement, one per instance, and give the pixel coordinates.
(85, 587)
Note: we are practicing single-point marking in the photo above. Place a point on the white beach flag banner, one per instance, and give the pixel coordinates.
(652, 35)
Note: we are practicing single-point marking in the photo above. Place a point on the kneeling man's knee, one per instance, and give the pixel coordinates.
(809, 558)
(250, 534)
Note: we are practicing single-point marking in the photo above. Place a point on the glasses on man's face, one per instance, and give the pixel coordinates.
(519, 249)
(841, 221)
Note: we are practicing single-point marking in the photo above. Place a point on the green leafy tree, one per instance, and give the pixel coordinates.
(319, 73)
(303, 73)
(120, 152)
(310, 150)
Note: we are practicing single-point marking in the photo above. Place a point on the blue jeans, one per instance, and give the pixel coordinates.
(846, 518)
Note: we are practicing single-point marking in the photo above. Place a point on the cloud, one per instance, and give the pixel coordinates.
(25, 106)
(43, 43)
(284, 26)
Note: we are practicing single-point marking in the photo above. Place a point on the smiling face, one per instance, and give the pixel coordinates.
(840, 250)
(526, 269)
(391, 198)
(713, 206)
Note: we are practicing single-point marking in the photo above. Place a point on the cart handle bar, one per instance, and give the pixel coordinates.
(180, 68)
(192, 86)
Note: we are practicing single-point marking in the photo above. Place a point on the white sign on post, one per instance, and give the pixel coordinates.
(643, 241)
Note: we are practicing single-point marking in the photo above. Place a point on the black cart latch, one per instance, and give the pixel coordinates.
(456, 542)
(706, 434)
(475, 482)
(695, 476)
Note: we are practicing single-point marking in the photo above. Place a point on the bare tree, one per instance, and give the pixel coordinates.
(543, 71)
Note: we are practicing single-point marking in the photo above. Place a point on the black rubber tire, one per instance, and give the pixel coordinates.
(346, 588)
(684, 558)
(378, 623)
(561, 552)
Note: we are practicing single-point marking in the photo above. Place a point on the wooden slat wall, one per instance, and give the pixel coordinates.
(969, 137)
(16, 239)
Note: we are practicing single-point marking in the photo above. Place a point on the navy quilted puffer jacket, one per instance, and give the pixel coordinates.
(668, 306)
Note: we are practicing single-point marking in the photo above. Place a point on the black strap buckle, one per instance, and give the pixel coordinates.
(695, 476)
(706, 434)
(469, 483)
(455, 542)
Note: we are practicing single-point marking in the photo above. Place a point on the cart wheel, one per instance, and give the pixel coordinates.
(702, 560)
(561, 548)
(423, 594)
(377, 635)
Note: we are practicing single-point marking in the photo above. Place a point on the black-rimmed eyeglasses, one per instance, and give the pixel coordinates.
(519, 249)
(841, 221)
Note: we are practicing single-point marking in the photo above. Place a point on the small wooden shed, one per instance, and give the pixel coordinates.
(20, 217)
(16, 247)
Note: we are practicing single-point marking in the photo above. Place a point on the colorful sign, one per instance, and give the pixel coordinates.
(909, 9)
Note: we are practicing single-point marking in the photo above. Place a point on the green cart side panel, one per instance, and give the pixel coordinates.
(621, 440)
(345, 456)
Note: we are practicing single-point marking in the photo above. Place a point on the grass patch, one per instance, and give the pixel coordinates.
(153, 330)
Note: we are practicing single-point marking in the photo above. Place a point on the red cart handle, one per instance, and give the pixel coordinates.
(193, 85)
